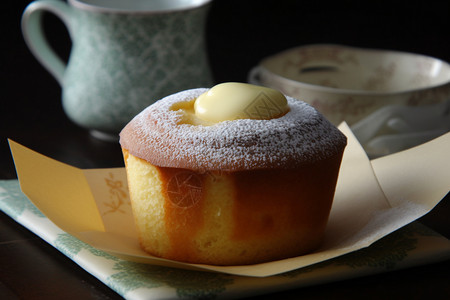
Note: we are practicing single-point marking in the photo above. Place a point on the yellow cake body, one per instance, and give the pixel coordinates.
(229, 218)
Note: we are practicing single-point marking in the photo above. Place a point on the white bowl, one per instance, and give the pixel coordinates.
(347, 83)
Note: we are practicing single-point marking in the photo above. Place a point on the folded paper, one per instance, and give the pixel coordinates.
(372, 199)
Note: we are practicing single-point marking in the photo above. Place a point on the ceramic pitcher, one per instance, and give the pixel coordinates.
(125, 55)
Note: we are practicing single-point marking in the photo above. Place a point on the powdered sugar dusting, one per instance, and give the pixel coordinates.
(301, 136)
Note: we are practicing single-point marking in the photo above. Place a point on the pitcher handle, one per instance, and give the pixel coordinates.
(34, 36)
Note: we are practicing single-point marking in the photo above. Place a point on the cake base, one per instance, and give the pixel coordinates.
(231, 218)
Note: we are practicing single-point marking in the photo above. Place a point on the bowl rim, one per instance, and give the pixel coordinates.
(342, 91)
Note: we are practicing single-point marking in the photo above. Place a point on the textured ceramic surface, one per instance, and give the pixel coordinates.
(347, 84)
(121, 61)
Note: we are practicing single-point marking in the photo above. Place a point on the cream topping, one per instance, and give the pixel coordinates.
(232, 100)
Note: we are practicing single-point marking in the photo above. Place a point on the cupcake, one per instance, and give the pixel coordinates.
(233, 175)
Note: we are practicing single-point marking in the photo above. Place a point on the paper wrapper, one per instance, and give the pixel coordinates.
(372, 199)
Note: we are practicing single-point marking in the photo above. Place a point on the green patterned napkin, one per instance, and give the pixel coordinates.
(412, 245)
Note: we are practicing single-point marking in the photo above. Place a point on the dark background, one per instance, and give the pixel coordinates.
(239, 34)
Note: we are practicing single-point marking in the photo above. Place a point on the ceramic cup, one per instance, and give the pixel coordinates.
(124, 55)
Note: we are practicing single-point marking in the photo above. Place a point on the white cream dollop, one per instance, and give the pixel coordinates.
(233, 100)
